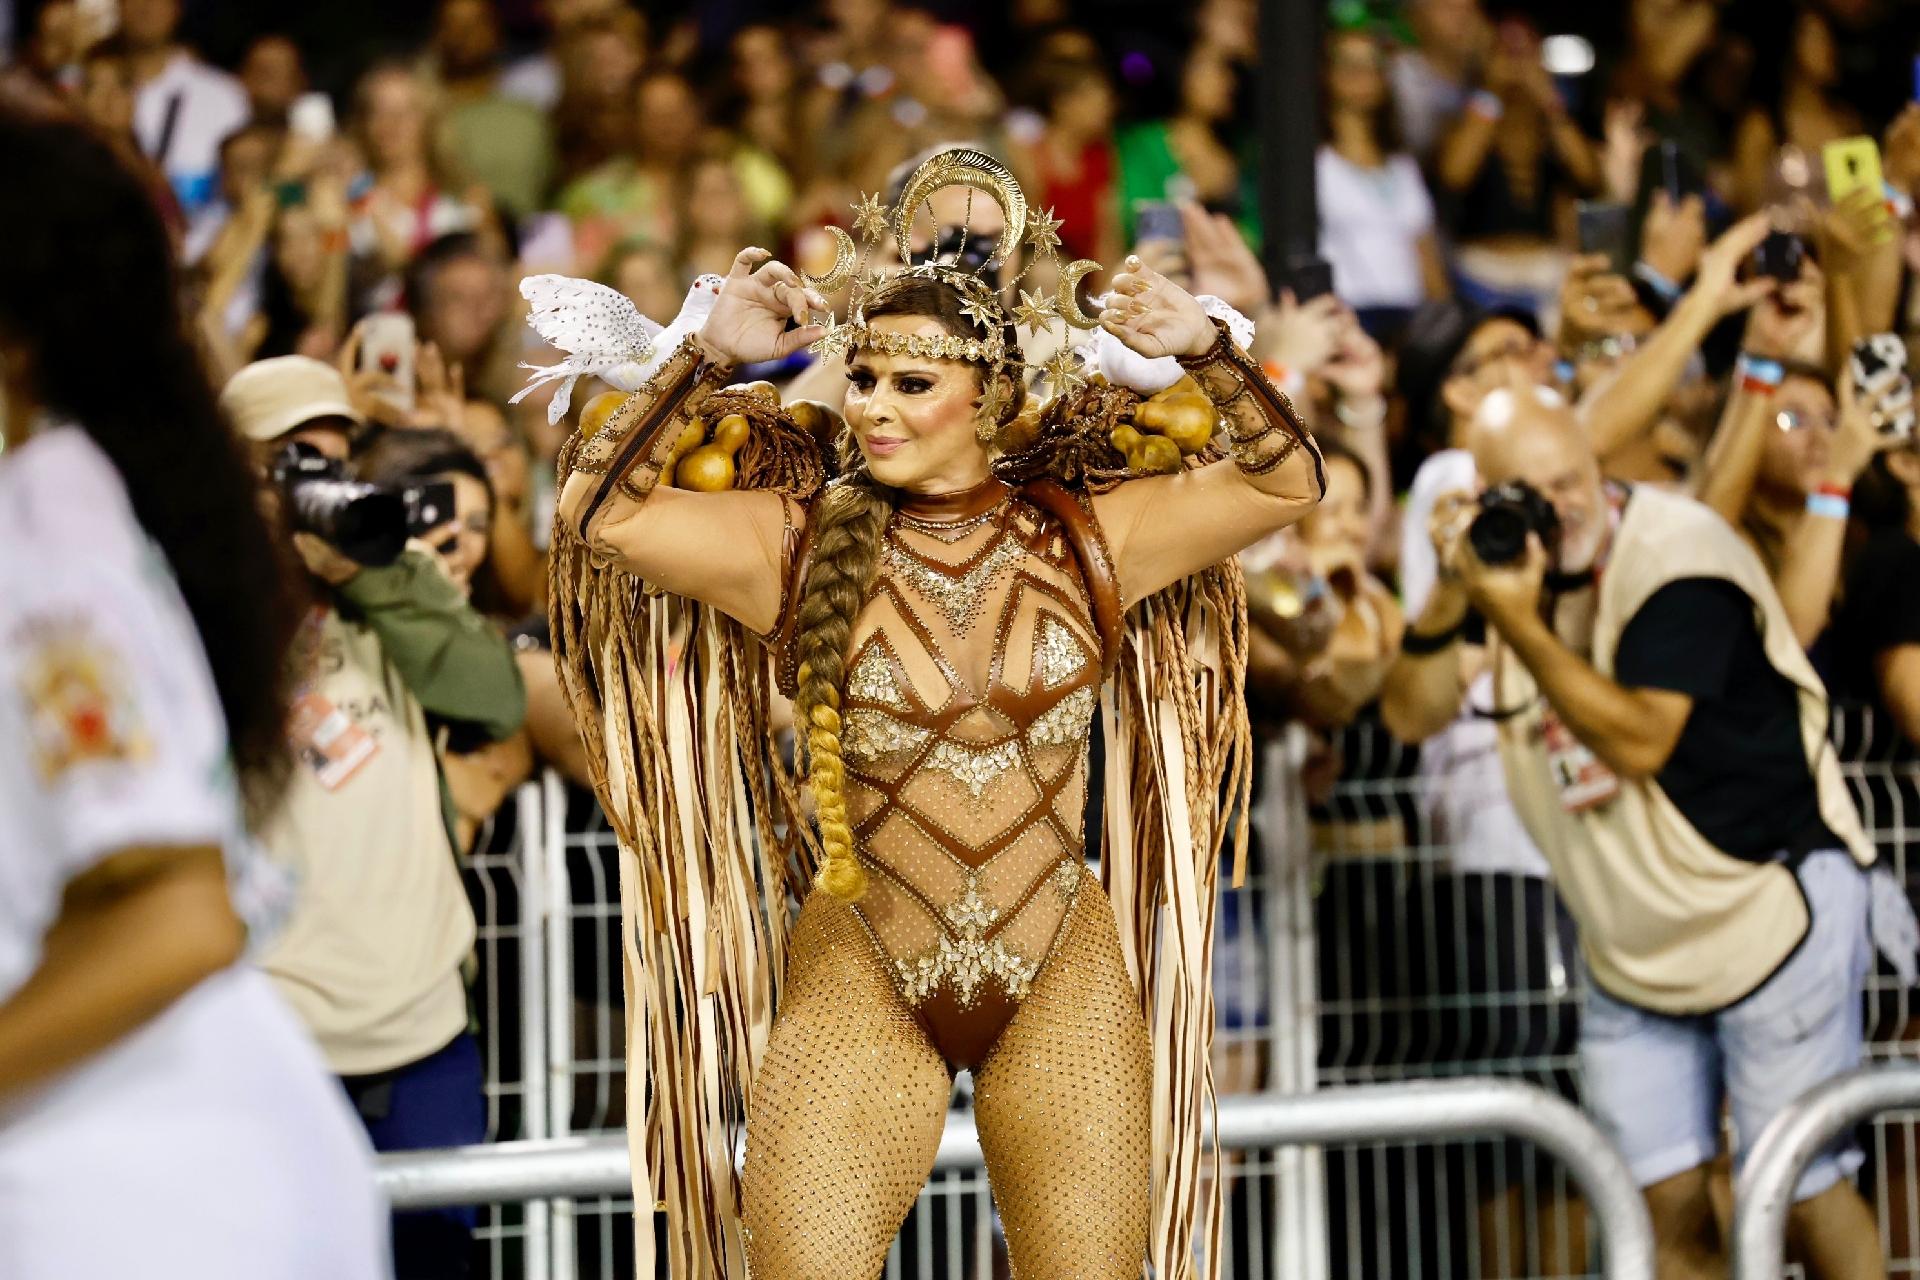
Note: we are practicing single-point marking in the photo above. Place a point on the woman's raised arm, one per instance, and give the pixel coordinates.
(1163, 528)
(724, 549)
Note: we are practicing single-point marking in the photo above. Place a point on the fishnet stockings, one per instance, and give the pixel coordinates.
(1064, 1107)
(846, 1113)
(851, 1097)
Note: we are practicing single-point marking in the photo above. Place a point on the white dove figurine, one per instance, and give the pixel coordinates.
(1120, 364)
(604, 334)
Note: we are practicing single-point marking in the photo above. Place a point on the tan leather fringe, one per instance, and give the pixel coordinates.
(1178, 783)
(714, 849)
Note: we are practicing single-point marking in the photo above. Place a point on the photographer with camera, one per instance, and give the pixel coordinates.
(1664, 741)
(390, 654)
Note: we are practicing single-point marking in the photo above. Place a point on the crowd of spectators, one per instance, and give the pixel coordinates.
(1627, 238)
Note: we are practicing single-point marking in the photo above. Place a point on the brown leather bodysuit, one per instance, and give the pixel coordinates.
(982, 940)
(974, 673)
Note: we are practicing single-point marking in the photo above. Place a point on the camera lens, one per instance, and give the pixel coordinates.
(1499, 534)
(366, 524)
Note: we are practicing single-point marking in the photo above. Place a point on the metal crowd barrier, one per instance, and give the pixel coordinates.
(531, 1170)
(1365, 951)
(1785, 1148)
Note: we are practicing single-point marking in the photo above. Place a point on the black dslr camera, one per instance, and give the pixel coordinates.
(363, 522)
(1508, 513)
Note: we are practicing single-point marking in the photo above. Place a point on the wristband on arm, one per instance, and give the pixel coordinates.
(1758, 375)
(1263, 430)
(1656, 280)
(1830, 502)
(1420, 644)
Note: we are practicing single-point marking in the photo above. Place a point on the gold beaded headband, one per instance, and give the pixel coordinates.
(980, 299)
(946, 346)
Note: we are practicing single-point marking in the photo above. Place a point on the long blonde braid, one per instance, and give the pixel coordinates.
(850, 520)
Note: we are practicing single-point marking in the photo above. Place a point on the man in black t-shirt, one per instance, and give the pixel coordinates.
(1663, 738)
(1738, 770)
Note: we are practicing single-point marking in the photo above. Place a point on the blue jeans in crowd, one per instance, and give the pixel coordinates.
(435, 1102)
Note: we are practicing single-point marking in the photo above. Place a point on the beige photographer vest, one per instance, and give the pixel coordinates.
(1667, 921)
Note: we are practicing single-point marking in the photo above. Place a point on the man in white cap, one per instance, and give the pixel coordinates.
(371, 955)
(277, 402)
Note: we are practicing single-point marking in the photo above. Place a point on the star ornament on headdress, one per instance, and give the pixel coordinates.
(1063, 372)
(835, 341)
(870, 217)
(994, 398)
(981, 312)
(1034, 313)
(1043, 232)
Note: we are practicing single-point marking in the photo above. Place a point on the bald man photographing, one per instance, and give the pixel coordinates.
(1665, 742)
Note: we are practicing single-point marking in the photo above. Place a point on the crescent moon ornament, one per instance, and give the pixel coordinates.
(1069, 300)
(965, 167)
(844, 257)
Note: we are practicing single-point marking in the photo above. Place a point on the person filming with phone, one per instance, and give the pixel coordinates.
(389, 659)
(1664, 740)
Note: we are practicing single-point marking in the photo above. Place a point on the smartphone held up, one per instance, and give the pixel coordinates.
(387, 346)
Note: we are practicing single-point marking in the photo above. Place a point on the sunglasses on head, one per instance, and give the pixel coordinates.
(960, 247)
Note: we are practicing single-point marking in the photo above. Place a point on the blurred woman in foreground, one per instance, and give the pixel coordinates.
(161, 1114)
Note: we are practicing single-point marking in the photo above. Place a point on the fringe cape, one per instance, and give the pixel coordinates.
(716, 851)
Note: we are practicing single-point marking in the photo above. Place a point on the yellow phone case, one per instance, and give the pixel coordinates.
(1852, 163)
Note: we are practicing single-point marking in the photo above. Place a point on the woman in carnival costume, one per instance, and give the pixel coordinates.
(948, 583)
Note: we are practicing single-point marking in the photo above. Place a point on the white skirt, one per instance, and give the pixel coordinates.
(212, 1144)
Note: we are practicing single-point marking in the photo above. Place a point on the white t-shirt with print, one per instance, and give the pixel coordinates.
(110, 727)
(212, 1131)
(204, 105)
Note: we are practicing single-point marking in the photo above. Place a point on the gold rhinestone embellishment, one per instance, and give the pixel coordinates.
(874, 735)
(871, 680)
(958, 599)
(966, 959)
(1058, 657)
(1066, 879)
(974, 768)
(1065, 722)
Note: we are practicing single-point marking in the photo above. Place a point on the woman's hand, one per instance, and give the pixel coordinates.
(371, 391)
(1539, 88)
(1302, 336)
(1357, 369)
(749, 320)
(1717, 280)
(1901, 149)
(1857, 432)
(1154, 316)
(1594, 302)
(1674, 235)
(1221, 261)
(1622, 149)
(1857, 235)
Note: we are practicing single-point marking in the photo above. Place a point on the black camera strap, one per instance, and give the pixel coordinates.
(1560, 583)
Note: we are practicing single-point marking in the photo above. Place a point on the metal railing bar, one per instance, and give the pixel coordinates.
(1786, 1146)
(1428, 1109)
